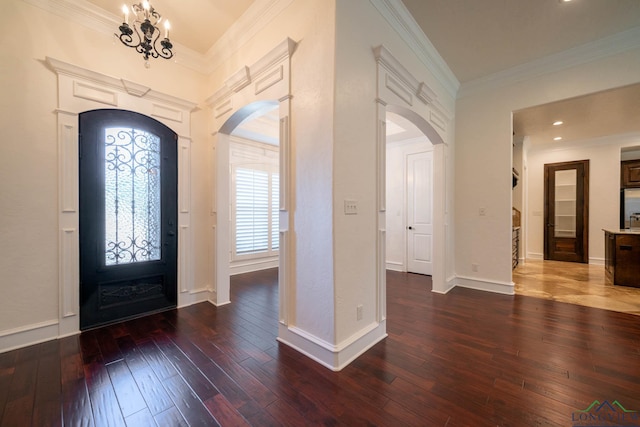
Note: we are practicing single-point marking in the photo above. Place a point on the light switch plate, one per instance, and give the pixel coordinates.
(350, 207)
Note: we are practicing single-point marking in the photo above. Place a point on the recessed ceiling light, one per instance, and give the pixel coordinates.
(557, 138)
(558, 123)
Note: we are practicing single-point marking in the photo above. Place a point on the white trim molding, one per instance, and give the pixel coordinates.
(397, 15)
(28, 335)
(334, 357)
(400, 92)
(583, 54)
(485, 285)
(263, 84)
(80, 90)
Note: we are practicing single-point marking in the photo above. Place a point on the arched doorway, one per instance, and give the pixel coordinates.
(77, 93)
(399, 92)
(244, 164)
(409, 196)
(263, 85)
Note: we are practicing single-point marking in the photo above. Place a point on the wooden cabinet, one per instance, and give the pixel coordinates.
(609, 254)
(515, 247)
(622, 257)
(630, 174)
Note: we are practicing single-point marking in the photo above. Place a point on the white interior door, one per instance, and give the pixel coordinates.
(420, 212)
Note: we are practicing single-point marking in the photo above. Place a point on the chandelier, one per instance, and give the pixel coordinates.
(145, 25)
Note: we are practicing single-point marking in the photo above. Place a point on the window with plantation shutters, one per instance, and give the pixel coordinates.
(275, 211)
(256, 212)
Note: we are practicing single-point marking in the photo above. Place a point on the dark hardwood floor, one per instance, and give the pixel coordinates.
(467, 358)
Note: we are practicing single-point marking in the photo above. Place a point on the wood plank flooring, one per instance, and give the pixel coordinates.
(467, 358)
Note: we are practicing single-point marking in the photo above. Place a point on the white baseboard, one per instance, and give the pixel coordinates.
(485, 285)
(450, 284)
(596, 261)
(220, 304)
(28, 335)
(395, 266)
(213, 297)
(535, 255)
(195, 296)
(251, 266)
(334, 357)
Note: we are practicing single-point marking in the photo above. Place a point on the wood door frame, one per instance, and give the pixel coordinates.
(580, 219)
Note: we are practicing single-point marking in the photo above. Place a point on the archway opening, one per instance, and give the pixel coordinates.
(438, 254)
(248, 184)
(409, 197)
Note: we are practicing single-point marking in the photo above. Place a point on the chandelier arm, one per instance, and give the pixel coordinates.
(136, 29)
(141, 49)
(126, 39)
(165, 52)
(155, 15)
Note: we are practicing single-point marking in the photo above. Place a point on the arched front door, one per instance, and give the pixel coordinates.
(128, 216)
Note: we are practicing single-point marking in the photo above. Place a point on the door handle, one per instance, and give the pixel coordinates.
(409, 228)
(171, 233)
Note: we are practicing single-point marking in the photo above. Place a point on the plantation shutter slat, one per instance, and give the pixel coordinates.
(256, 211)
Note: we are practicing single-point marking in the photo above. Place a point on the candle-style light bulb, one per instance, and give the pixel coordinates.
(125, 13)
(146, 6)
(167, 26)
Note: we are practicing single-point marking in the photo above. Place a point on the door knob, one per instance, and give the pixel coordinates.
(410, 227)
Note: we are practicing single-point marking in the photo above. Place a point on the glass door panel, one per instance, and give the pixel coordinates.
(132, 196)
(565, 203)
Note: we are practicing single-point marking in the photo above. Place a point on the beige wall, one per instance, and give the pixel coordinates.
(359, 29)
(484, 156)
(604, 189)
(310, 23)
(28, 153)
(333, 112)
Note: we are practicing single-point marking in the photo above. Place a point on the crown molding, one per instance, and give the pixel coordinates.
(397, 15)
(80, 12)
(583, 54)
(256, 17)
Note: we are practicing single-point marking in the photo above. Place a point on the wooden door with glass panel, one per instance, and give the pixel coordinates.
(566, 211)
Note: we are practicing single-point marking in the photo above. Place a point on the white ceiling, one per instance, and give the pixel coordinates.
(611, 112)
(481, 37)
(476, 38)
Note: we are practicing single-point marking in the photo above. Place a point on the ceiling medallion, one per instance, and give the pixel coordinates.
(145, 25)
